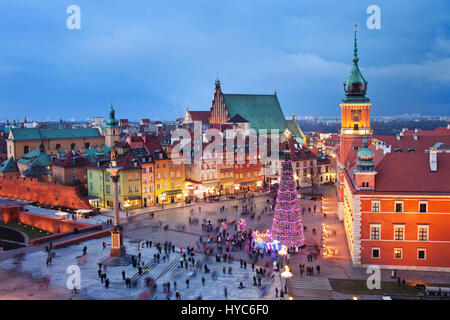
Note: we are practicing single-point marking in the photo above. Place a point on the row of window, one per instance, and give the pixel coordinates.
(164, 175)
(305, 163)
(398, 206)
(74, 170)
(172, 165)
(399, 232)
(398, 253)
(87, 145)
(131, 188)
(172, 185)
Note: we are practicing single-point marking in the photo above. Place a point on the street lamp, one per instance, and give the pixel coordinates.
(286, 274)
(127, 205)
(163, 198)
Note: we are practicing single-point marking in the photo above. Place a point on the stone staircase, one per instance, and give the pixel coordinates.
(310, 287)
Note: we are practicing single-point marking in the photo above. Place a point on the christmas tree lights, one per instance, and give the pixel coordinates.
(287, 224)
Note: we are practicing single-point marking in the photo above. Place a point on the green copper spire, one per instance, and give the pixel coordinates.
(355, 50)
(217, 80)
(112, 121)
(355, 87)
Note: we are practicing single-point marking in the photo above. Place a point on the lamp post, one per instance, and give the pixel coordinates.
(282, 252)
(286, 274)
(117, 247)
(127, 205)
(163, 198)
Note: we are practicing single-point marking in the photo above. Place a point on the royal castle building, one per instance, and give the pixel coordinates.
(393, 191)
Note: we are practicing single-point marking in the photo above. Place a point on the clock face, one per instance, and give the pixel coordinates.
(356, 115)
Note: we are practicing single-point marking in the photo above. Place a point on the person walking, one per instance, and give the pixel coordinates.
(276, 292)
(225, 292)
(203, 280)
(123, 274)
(187, 283)
(107, 283)
(177, 295)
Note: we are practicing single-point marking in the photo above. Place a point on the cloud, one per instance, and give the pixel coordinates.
(433, 72)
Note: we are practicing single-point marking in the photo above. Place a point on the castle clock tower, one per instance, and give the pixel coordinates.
(355, 121)
(355, 112)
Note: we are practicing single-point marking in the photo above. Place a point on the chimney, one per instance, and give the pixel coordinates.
(448, 126)
(433, 159)
(398, 136)
(416, 136)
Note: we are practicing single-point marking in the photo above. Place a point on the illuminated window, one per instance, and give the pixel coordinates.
(375, 231)
(398, 253)
(375, 206)
(422, 231)
(399, 232)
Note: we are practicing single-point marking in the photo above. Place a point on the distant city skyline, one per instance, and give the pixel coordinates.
(153, 59)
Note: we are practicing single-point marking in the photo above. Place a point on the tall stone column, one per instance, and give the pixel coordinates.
(115, 180)
(117, 247)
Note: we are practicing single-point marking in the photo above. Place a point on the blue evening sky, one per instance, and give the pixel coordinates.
(152, 58)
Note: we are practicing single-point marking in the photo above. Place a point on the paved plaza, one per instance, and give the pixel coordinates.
(172, 225)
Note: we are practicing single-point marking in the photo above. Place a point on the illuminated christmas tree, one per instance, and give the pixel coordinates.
(287, 224)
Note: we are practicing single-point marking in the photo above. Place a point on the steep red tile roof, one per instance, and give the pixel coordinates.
(71, 159)
(202, 116)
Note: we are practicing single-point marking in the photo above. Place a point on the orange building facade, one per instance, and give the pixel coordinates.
(417, 237)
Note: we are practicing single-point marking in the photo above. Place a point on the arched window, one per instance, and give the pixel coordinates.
(26, 149)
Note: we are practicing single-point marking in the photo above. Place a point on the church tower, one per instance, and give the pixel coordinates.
(219, 113)
(112, 129)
